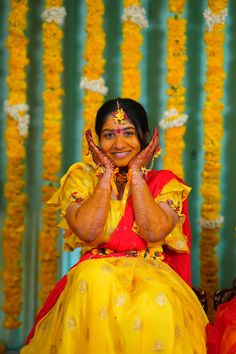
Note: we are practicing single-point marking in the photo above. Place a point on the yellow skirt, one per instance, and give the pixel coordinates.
(125, 306)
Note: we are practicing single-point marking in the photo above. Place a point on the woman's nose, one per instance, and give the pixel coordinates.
(119, 142)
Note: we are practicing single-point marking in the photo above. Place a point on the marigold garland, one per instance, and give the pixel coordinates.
(92, 82)
(13, 228)
(131, 53)
(213, 133)
(174, 115)
(52, 66)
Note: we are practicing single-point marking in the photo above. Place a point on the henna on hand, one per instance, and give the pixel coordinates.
(145, 156)
(99, 157)
(137, 178)
(153, 221)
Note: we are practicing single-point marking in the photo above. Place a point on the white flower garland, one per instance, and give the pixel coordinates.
(54, 14)
(135, 14)
(211, 224)
(180, 120)
(212, 19)
(13, 110)
(94, 85)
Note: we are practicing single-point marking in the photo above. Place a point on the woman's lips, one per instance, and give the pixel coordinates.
(120, 155)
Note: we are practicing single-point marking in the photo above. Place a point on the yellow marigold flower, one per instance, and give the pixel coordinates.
(213, 132)
(177, 6)
(13, 226)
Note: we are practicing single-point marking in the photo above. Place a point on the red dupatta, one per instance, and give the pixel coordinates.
(180, 262)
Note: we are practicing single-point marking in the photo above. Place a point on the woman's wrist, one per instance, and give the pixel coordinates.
(137, 177)
(104, 181)
(135, 171)
(102, 170)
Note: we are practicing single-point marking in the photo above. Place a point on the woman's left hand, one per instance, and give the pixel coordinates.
(145, 156)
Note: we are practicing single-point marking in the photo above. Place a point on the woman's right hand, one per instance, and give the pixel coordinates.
(98, 155)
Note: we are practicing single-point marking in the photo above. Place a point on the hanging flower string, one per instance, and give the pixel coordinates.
(15, 135)
(211, 220)
(53, 17)
(92, 82)
(174, 118)
(133, 19)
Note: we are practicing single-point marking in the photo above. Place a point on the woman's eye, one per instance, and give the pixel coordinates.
(108, 135)
(129, 133)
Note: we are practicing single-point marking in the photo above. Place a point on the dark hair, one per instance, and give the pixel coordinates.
(135, 112)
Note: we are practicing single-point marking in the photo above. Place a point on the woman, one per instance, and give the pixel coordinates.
(132, 224)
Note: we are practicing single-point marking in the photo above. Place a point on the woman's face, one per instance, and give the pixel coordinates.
(119, 141)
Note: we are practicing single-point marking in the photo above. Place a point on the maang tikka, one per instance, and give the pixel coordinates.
(119, 116)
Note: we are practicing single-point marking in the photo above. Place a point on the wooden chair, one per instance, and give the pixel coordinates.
(221, 334)
(223, 295)
(201, 294)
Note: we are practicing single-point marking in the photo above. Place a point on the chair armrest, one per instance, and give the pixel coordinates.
(223, 295)
(201, 294)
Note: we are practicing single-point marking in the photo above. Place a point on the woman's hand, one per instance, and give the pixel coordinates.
(145, 156)
(98, 155)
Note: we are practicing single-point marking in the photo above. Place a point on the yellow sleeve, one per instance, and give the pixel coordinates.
(174, 193)
(76, 186)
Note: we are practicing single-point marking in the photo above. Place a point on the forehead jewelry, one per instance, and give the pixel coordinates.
(119, 116)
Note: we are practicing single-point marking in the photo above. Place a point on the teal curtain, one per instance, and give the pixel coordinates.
(153, 68)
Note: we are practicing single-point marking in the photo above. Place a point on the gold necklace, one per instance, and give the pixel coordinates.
(121, 178)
